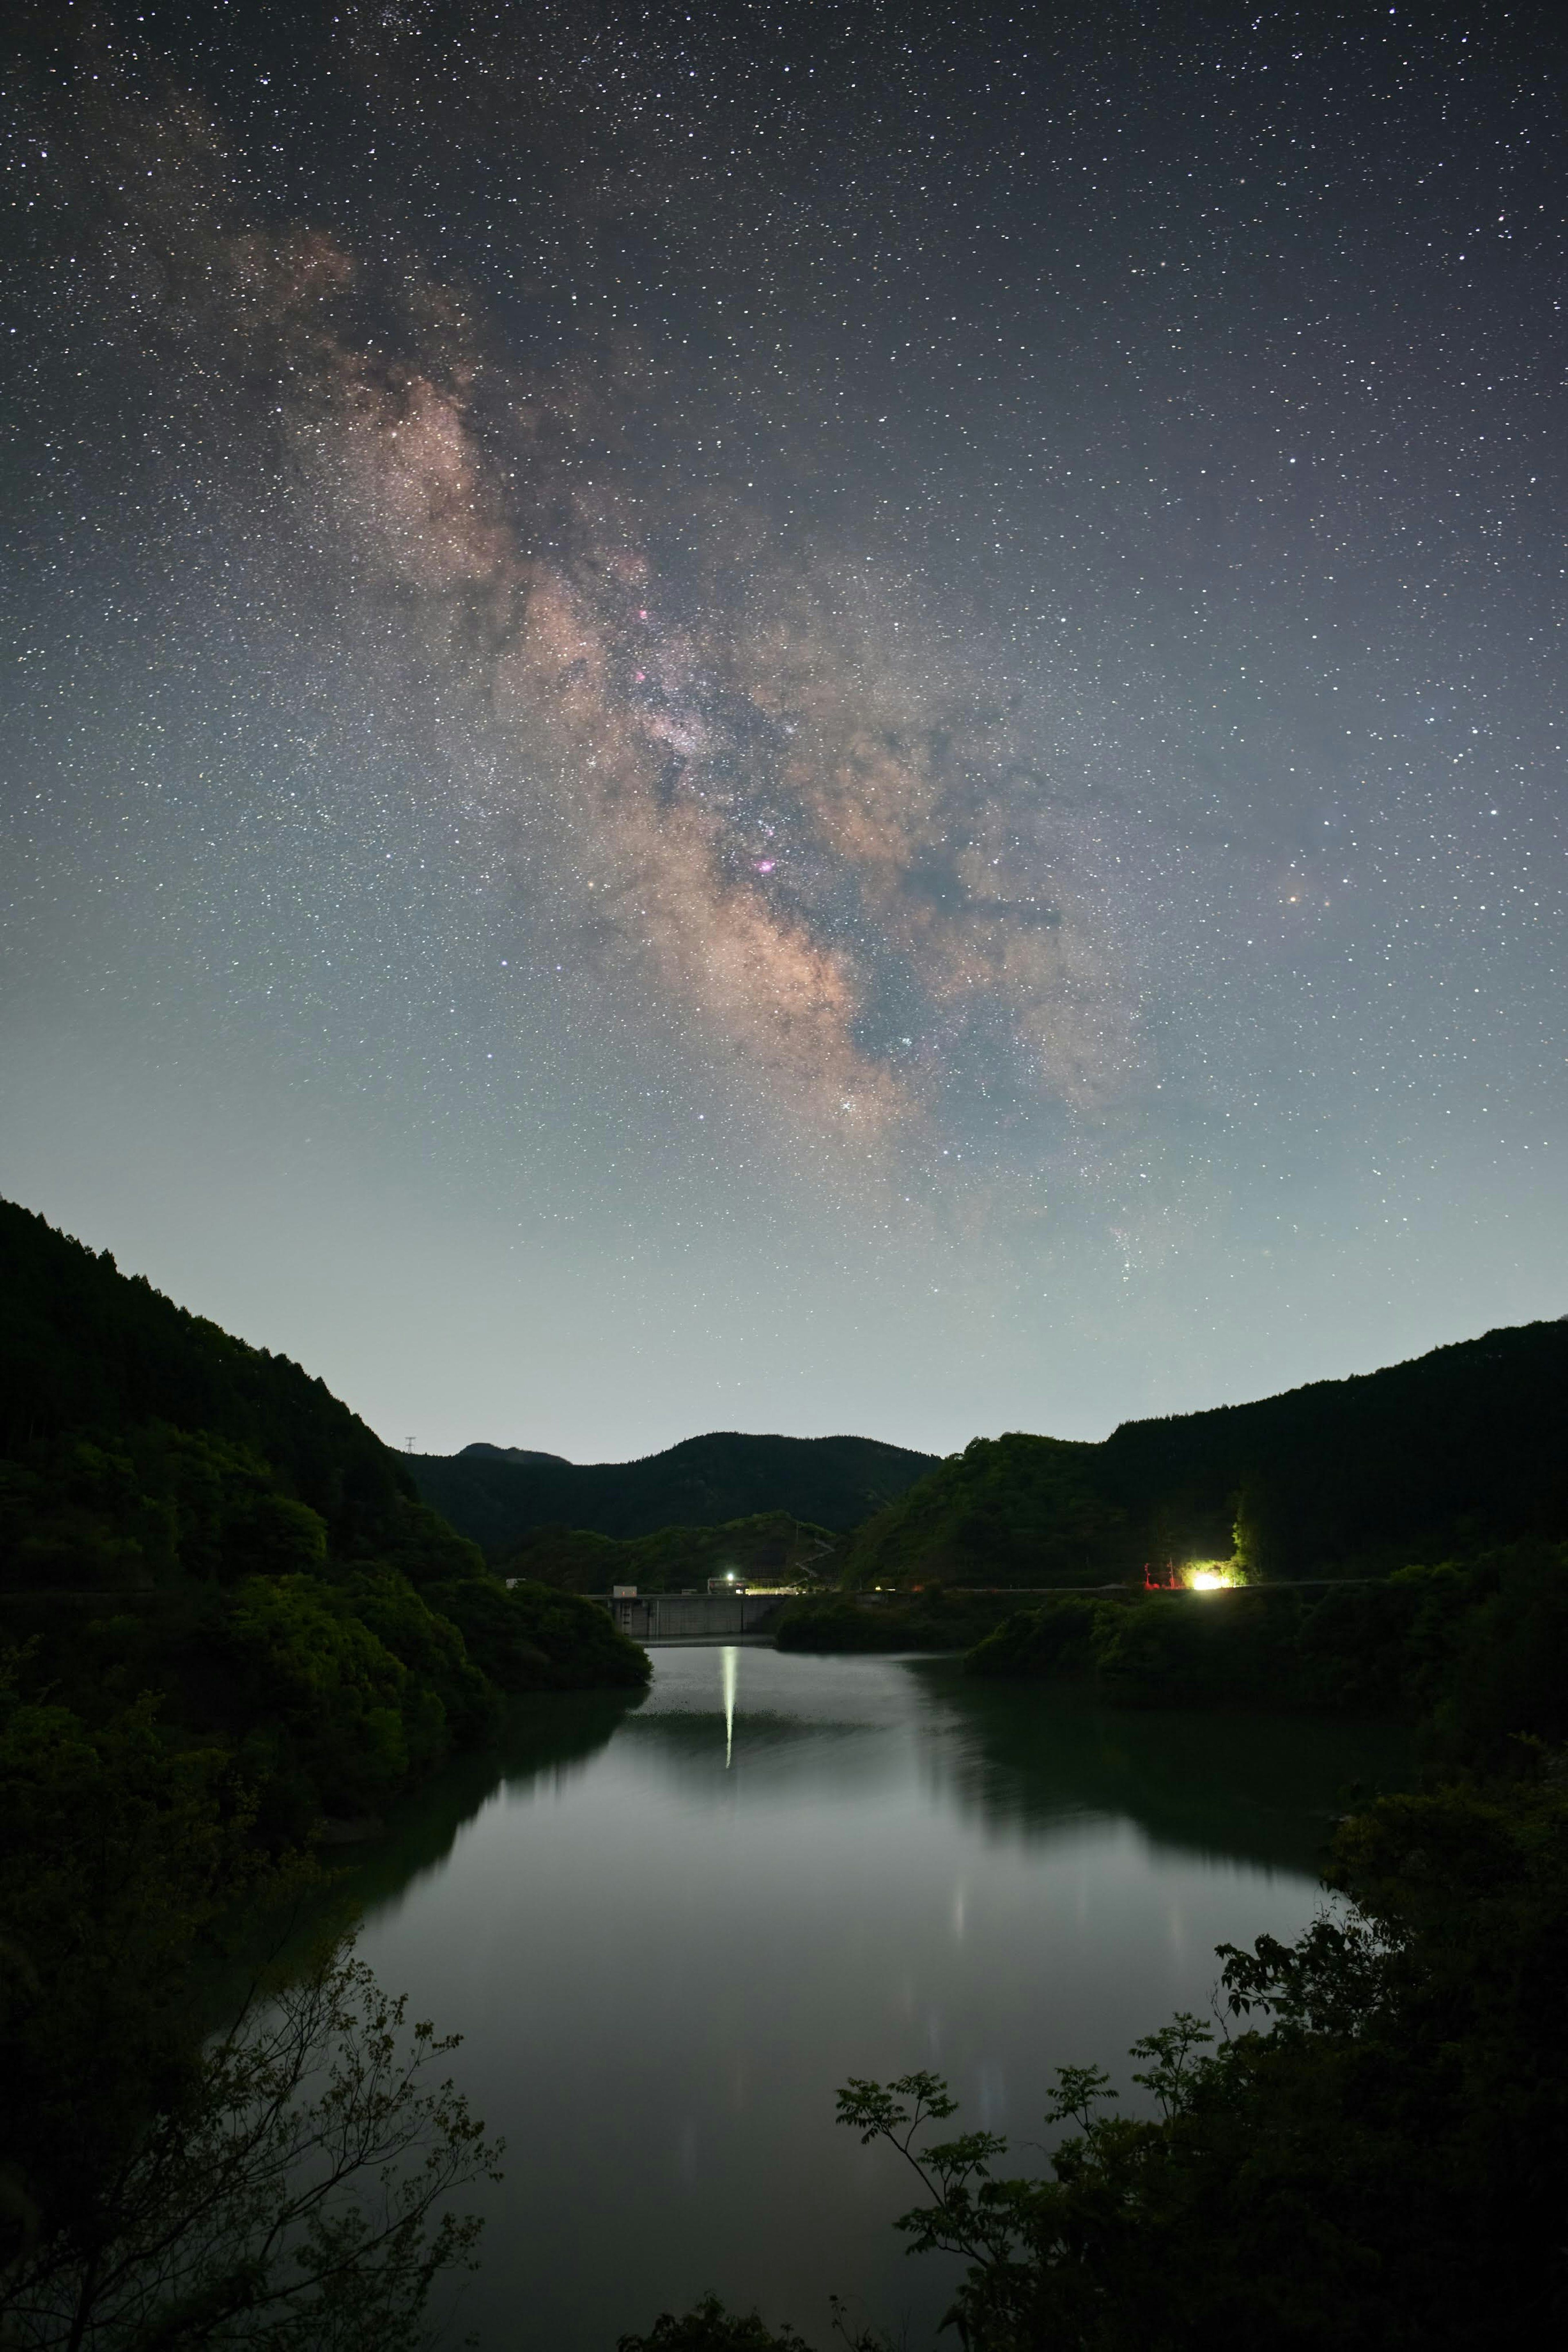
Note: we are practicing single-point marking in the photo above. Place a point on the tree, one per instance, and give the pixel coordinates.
(709, 2327)
(284, 2200)
(162, 2188)
(1384, 2167)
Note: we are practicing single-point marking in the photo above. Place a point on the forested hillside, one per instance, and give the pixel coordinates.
(1008, 1510)
(185, 1516)
(1456, 1451)
(228, 1627)
(768, 1547)
(703, 1482)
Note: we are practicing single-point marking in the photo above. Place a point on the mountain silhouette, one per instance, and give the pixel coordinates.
(496, 1497)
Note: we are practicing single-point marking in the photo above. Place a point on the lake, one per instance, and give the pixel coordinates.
(668, 1930)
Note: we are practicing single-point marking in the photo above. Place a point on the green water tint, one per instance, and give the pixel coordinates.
(669, 1929)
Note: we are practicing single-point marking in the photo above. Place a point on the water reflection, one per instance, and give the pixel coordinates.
(1026, 1760)
(667, 1930)
(549, 1740)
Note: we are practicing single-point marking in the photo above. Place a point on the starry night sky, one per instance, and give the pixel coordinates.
(799, 717)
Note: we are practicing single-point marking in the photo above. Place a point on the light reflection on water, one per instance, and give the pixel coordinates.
(669, 1930)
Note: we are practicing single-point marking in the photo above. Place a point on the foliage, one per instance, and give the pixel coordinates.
(280, 2196)
(1453, 1453)
(333, 1702)
(928, 1620)
(118, 1854)
(84, 1349)
(1385, 2166)
(574, 1559)
(531, 1637)
(1057, 1638)
(703, 1482)
(836, 1624)
(1217, 1648)
(235, 1616)
(456, 1702)
(418, 1543)
(1013, 1510)
(1476, 1653)
(1441, 1458)
(709, 2327)
(770, 1545)
(268, 1572)
(273, 2188)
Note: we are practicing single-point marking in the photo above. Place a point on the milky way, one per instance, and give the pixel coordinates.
(881, 662)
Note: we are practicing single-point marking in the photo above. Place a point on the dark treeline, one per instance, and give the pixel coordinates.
(932, 1618)
(228, 1620)
(1428, 1460)
(184, 1515)
(228, 1626)
(1473, 1651)
(1442, 1457)
(767, 1546)
(1367, 2146)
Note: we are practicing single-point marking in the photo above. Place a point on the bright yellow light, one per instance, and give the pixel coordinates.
(1206, 1580)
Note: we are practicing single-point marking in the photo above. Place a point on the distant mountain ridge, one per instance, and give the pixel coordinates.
(1437, 1459)
(497, 1499)
(510, 1454)
(771, 1548)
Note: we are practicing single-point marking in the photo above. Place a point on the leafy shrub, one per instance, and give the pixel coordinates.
(1058, 1638)
(531, 1637)
(1012, 1510)
(929, 1619)
(338, 1704)
(1385, 2166)
(1476, 1653)
(839, 1624)
(709, 2327)
(1199, 1649)
(426, 1642)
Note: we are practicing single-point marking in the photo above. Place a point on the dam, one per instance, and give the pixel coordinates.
(652, 1618)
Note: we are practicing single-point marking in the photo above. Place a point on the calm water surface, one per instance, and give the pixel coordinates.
(669, 1930)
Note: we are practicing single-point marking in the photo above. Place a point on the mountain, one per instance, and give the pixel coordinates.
(771, 1547)
(1438, 1457)
(1008, 1510)
(186, 1516)
(703, 1482)
(510, 1454)
(84, 1348)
